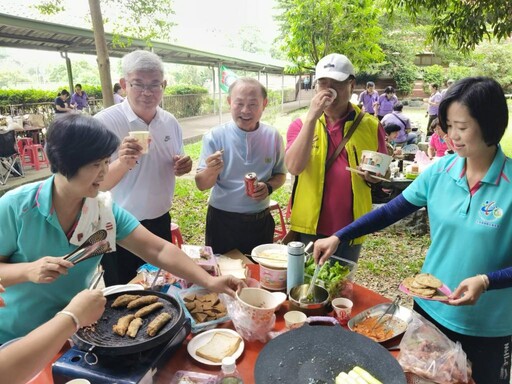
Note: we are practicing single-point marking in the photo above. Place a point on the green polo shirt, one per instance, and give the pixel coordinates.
(471, 232)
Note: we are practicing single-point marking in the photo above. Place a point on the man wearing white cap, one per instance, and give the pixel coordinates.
(320, 147)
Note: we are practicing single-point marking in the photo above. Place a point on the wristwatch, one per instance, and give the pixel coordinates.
(269, 188)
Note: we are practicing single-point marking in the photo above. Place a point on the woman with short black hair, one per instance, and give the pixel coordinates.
(469, 201)
(43, 221)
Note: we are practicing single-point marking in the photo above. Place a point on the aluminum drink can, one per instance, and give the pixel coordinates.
(250, 180)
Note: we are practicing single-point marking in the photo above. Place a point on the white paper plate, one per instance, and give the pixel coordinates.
(121, 288)
(260, 250)
(205, 337)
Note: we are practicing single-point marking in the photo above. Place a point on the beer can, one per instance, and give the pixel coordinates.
(250, 180)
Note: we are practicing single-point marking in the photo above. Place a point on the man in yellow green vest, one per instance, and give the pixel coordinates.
(325, 200)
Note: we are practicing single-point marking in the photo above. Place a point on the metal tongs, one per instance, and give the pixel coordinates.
(391, 310)
(95, 245)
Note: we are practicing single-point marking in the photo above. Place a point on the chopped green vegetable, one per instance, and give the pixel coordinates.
(333, 275)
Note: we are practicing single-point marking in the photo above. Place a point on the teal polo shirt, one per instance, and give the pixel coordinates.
(30, 230)
(471, 234)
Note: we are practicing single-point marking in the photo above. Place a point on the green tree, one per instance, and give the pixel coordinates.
(462, 23)
(493, 59)
(191, 75)
(312, 29)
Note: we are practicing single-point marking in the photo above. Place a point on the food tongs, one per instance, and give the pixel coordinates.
(95, 245)
(391, 310)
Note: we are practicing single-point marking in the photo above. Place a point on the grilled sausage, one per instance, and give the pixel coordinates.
(141, 301)
(144, 311)
(122, 325)
(158, 323)
(123, 300)
(134, 327)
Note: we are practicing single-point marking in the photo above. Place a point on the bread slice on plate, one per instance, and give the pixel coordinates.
(220, 345)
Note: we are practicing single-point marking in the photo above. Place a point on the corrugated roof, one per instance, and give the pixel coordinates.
(18, 32)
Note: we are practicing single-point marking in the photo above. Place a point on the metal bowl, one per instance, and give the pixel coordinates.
(318, 306)
(402, 315)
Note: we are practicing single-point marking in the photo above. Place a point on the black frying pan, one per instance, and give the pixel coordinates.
(317, 354)
(102, 340)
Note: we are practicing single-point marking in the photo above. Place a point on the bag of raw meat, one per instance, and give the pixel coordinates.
(429, 354)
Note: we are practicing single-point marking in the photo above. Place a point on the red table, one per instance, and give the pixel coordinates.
(181, 360)
(363, 299)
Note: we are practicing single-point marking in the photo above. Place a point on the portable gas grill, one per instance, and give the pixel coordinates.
(102, 357)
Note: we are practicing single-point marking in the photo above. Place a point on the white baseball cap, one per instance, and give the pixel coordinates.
(334, 66)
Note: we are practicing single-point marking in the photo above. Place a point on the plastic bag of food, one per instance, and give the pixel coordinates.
(428, 353)
(157, 279)
(250, 329)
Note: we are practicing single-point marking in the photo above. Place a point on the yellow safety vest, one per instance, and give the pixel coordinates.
(309, 185)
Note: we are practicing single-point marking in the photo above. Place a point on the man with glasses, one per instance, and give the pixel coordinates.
(326, 195)
(142, 183)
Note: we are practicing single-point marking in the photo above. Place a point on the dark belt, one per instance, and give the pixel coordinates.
(243, 216)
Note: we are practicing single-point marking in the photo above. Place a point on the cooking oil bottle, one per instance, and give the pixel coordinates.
(229, 373)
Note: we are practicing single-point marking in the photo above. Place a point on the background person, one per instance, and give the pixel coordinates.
(474, 217)
(142, 184)
(386, 102)
(79, 99)
(235, 220)
(60, 103)
(433, 104)
(438, 145)
(25, 358)
(405, 136)
(314, 138)
(369, 98)
(45, 220)
(118, 93)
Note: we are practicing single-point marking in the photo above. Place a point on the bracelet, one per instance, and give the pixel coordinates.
(73, 317)
(269, 188)
(485, 281)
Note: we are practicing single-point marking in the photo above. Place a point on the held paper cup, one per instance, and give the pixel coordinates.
(342, 309)
(294, 319)
(375, 162)
(143, 139)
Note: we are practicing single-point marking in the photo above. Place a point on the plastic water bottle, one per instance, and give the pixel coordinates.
(229, 373)
(295, 270)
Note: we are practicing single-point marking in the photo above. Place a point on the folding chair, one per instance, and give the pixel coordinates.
(10, 163)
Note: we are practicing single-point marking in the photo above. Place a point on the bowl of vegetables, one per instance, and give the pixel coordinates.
(336, 276)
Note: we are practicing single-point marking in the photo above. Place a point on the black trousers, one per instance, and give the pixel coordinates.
(490, 356)
(431, 118)
(121, 266)
(229, 230)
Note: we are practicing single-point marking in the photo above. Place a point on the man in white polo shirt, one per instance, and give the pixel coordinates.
(143, 184)
(236, 219)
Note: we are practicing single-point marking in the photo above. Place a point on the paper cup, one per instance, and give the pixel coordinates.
(375, 162)
(342, 309)
(143, 139)
(78, 381)
(294, 319)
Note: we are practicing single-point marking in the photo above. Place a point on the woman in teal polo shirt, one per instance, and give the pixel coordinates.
(43, 221)
(469, 201)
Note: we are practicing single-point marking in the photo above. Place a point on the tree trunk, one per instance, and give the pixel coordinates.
(102, 53)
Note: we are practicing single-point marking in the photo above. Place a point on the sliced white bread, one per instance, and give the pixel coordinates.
(220, 345)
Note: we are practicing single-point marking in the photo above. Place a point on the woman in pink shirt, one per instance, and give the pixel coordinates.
(438, 145)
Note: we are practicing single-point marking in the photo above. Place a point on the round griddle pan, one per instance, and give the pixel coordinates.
(317, 354)
(102, 340)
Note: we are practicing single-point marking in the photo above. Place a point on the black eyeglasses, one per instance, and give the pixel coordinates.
(139, 87)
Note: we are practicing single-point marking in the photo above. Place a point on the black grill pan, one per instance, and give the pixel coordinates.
(102, 340)
(317, 354)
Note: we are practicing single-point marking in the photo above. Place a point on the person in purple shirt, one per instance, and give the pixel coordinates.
(386, 102)
(79, 99)
(368, 98)
(433, 104)
(405, 136)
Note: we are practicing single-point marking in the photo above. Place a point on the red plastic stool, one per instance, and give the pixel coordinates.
(176, 238)
(35, 156)
(23, 142)
(280, 231)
